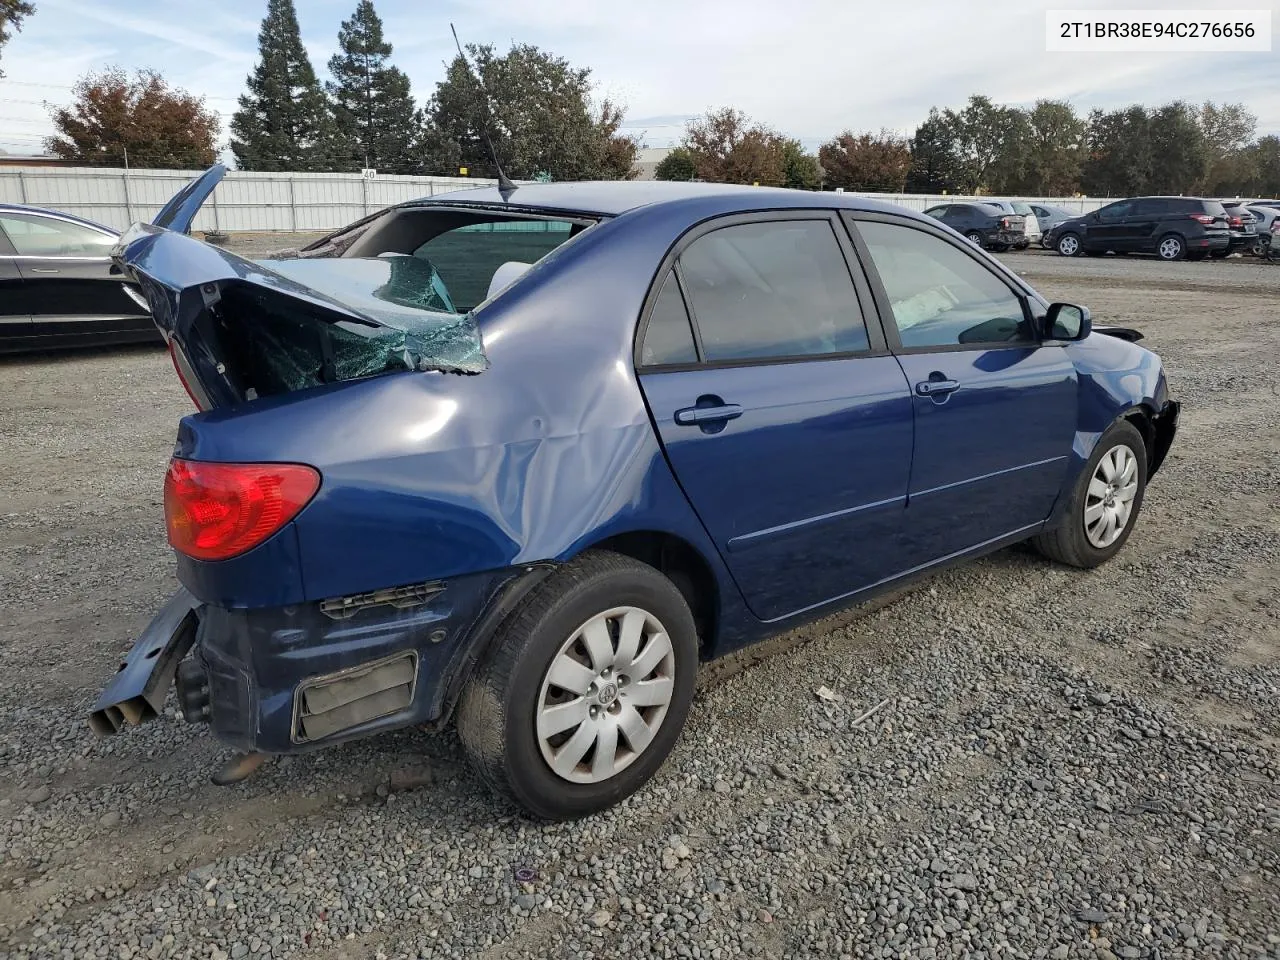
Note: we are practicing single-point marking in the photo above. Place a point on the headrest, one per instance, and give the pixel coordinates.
(506, 275)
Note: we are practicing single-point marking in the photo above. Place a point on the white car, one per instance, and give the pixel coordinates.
(1017, 206)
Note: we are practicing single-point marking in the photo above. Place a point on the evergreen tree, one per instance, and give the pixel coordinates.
(375, 121)
(283, 120)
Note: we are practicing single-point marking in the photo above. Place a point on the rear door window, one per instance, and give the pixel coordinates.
(468, 257)
(668, 337)
(1152, 207)
(776, 289)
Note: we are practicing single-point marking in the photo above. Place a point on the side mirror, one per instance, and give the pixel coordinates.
(1066, 321)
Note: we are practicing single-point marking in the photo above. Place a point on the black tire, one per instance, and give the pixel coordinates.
(1074, 245)
(1258, 248)
(495, 717)
(1067, 543)
(1176, 243)
(974, 237)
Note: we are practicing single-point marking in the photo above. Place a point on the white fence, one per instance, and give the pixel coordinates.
(921, 201)
(283, 201)
(243, 201)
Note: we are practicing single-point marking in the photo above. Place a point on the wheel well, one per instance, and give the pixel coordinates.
(682, 564)
(1141, 420)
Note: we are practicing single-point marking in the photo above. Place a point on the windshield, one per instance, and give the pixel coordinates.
(1022, 208)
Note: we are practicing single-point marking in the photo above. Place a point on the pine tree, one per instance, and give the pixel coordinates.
(283, 121)
(376, 122)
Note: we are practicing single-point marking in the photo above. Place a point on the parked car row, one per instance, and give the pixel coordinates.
(1172, 228)
(993, 225)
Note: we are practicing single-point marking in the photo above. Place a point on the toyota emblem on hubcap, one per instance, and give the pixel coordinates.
(608, 693)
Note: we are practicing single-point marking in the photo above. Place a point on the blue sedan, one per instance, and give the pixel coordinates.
(521, 460)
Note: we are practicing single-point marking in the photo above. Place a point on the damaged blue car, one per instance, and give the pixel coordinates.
(520, 460)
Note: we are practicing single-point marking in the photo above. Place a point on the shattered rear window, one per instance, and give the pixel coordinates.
(403, 320)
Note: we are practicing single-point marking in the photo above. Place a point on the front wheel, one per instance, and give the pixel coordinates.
(586, 690)
(1069, 245)
(1105, 501)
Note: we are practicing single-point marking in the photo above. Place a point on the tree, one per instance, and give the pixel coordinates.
(283, 120)
(801, 171)
(376, 123)
(12, 13)
(935, 160)
(987, 143)
(1119, 153)
(140, 120)
(1264, 167)
(1179, 153)
(676, 165)
(1055, 144)
(1227, 130)
(727, 148)
(539, 116)
(871, 163)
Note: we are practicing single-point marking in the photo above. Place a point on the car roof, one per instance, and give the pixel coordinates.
(43, 212)
(615, 197)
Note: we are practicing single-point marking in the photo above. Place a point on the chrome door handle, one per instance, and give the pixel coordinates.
(690, 416)
(43, 270)
(934, 388)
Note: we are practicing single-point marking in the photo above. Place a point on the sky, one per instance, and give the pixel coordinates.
(808, 68)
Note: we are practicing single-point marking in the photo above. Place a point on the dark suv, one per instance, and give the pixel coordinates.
(1242, 224)
(1173, 228)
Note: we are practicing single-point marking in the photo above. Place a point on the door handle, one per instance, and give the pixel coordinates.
(935, 388)
(43, 270)
(690, 416)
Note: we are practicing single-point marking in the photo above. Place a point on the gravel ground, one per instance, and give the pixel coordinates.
(1069, 764)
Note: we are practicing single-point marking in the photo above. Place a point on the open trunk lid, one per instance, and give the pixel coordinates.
(240, 329)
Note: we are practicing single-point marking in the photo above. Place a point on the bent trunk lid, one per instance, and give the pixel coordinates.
(241, 329)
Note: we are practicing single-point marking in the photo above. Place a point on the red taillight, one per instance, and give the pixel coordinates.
(1202, 218)
(214, 511)
(1004, 223)
(1237, 222)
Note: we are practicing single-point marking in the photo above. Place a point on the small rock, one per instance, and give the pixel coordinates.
(715, 887)
(1132, 953)
(764, 916)
(938, 866)
(1060, 952)
(526, 901)
(110, 819)
(721, 786)
(1092, 915)
(1099, 698)
(780, 770)
(964, 881)
(39, 795)
(601, 918)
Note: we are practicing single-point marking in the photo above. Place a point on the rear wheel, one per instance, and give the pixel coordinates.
(586, 690)
(1258, 248)
(1105, 502)
(974, 237)
(1069, 245)
(1172, 247)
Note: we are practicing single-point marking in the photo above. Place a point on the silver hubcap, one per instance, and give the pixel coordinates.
(1170, 249)
(975, 238)
(1109, 502)
(605, 695)
(1069, 246)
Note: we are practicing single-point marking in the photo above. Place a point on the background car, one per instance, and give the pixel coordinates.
(1242, 226)
(1173, 228)
(1264, 218)
(1049, 217)
(982, 223)
(59, 287)
(532, 516)
(1031, 226)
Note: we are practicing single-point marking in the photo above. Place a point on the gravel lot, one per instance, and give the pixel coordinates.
(1071, 764)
